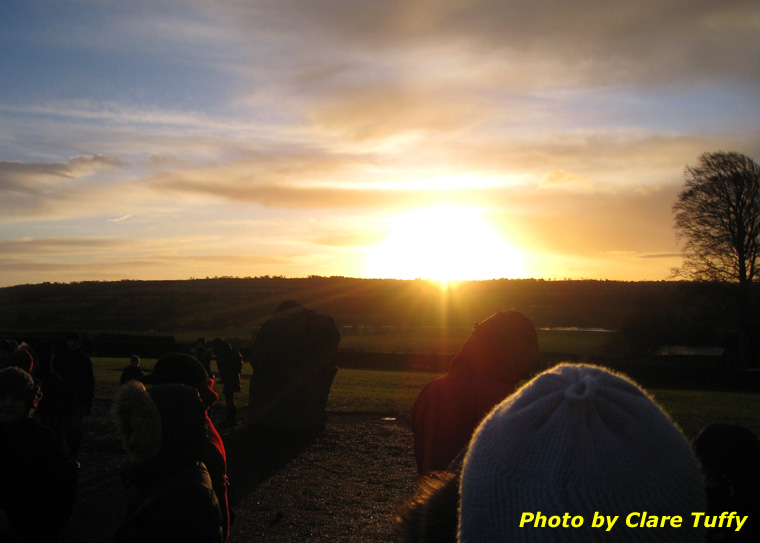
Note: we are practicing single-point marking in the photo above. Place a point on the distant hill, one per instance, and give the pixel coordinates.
(242, 304)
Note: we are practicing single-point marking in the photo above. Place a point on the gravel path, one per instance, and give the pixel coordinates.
(342, 485)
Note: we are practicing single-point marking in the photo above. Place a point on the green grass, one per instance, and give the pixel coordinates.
(693, 410)
(372, 391)
(572, 341)
(443, 341)
(391, 393)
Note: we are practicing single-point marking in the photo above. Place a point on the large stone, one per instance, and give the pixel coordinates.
(293, 359)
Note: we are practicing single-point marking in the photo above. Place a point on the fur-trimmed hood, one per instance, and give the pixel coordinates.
(167, 421)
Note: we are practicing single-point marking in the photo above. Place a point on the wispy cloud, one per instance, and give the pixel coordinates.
(28, 177)
(562, 179)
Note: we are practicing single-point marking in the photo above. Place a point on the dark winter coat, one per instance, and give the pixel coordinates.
(37, 484)
(75, 368)
(170, 497)
(500, 351)
(186, 369)
(166, 504)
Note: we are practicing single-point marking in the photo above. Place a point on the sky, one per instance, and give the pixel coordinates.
(443, 139)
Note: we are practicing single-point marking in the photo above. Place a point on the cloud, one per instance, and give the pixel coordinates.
(72, 245)
(351, 239)
(121, 219)
(582, 223)
(646, 44)
(662, 255)
(416, 72)
(81, 187)
(563, 179)
(124, 266)
(29, 177)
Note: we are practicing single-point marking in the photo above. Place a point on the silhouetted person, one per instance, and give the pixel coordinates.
(229, 361)
(169, 495)
(181, 368)
(37, 482)
(75, 368)
(7, 348)
(500, 350)
(57, 396)
(203, 353)
(730, 458)
(133, 372)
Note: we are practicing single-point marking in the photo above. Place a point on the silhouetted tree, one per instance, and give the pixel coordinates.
(718, 215)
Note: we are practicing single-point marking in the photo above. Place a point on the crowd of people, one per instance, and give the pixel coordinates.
(504, 452)
(176, 487)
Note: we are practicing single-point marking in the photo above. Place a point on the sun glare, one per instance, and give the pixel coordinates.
(443, 243)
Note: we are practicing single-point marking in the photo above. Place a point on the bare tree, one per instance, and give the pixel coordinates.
(717, 214)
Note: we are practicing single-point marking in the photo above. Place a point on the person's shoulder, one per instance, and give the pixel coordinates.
(429, 390)
(195, 480)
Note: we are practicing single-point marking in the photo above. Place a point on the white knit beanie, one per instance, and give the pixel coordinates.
(583, 441)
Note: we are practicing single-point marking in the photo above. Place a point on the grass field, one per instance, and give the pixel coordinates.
(418, 339)
(449, 341)
(391, 393)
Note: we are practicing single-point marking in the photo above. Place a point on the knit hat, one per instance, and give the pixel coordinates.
(179, 368)
(504, 345)
(183, 369)
(579, 440)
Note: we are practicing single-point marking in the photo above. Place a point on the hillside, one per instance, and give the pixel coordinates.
(242, 304)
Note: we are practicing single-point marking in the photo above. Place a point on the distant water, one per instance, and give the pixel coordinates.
(575, 329)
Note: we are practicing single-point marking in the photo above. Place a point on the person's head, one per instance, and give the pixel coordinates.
(22, 359)
(134, 361)
(730, 459)
(578, 439)
(504, 345)
(19, 396)
(184, 369)
(168, 420)
(73, 341)
(431, 514)
(7, 348)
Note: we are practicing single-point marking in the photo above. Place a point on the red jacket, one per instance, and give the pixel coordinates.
(500, 351)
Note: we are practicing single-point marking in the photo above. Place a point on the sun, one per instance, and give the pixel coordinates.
(443, 243)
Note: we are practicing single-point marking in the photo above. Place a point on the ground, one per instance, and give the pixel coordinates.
(342, 485)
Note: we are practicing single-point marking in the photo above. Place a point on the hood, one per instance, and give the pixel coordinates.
(505, 346)
(168, 421)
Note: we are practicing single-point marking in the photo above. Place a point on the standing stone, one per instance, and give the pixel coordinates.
(293, 359)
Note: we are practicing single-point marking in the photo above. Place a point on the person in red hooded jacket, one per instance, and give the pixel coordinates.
(500, 351)
(185, 369)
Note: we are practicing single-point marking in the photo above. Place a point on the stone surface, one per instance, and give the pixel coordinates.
(293, 359)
